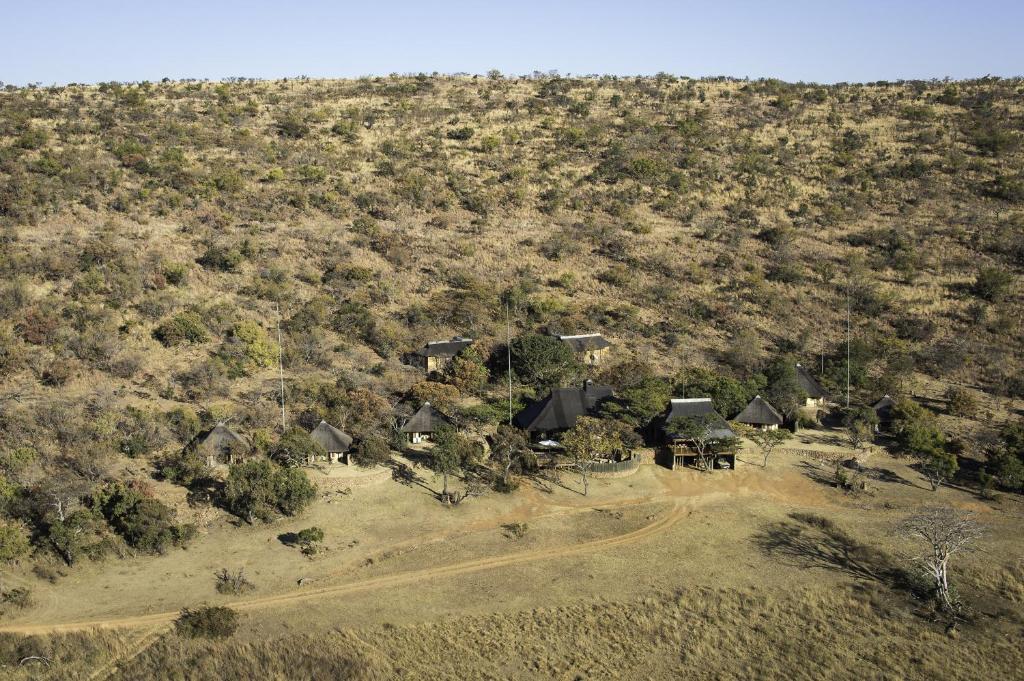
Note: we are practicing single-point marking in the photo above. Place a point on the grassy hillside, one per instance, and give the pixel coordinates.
(154, 234)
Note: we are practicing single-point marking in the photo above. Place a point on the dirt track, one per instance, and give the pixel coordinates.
(661, 524)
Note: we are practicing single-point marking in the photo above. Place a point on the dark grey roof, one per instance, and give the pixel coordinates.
(221, 439)
(809, 383)
(697, 407)
(883, 408)
(445, 348)
(585, 341)
(560, 409)
(330, 438)
(426, 420)
(759, 413)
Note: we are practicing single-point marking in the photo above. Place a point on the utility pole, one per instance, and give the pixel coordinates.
(508, 344)
(280, 363)
(847, 350)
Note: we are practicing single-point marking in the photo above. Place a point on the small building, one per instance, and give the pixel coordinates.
(424, 423)
(817, 396)
(884, 411)
(558, 412)
(680, 448)
(335, 442)
(759, 413)
(434, 356)
(590, 348)
(221, 445)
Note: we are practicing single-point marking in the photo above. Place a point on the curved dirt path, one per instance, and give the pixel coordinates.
(676, 511)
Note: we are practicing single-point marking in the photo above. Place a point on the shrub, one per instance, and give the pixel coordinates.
(309, 540)
(372, 450)
(145, 523)
(992, 283)
(961, 402)
(18, 597)
(260, 489)
(233, 583)
(186, 327)
(221, 258)
(210, 621)
(14, 541)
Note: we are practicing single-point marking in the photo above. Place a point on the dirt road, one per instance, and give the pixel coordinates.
(675, 512)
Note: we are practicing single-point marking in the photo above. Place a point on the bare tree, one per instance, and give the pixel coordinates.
(945, 531)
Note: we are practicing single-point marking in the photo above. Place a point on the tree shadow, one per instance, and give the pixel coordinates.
(818, 475)
(405, 475)
(808, 540)
(288, 538)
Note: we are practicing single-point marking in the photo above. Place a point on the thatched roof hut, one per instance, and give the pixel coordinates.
(816, 394)
(759, 412)
(222, 445)
(333, 441)
(559, 410)
(425, 421)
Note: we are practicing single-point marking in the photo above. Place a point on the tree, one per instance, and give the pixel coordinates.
(372, 450)
(466, 372)
(542, 361)
(14, 541)
(993, 283)
(945, 531)
(295, 448)
(509, 446)
(144, 522)
(639, 403)
(767, 441)
(860, 425)
(728, 395)
(918, 435)
(698, 431)
(259, 488)
(784, 390)
(446, 456)
(589, 441)
(1007, 458)
(961, 402)
(309, 540)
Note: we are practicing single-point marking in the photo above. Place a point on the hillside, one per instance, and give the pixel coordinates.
(156, 238)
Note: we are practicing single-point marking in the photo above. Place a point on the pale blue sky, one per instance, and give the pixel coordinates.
(60, 41)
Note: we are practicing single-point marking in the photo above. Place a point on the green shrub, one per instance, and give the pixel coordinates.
(210, 621)
(185, 327)
(260, 489)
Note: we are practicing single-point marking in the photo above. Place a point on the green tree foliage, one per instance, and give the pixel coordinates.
(260, 489)
(247, 349)
(447, 456)
(728, 395)
(310, 539)
(543, 362)
(783, 390)
(80, 534)
(591, 440)
(993, 283)
(510, 448)
(860, 423)
(295, 448)
(467, 372)
(14, 541)
(918, 434)
(637, 404)
(144, 522)
(372, 450)
(1007, 459)
(186, 468)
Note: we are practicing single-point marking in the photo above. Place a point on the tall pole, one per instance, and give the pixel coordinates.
(280, 363)
(508, 344)
(847, 350)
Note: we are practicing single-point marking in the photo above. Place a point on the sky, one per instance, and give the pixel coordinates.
(825, 41)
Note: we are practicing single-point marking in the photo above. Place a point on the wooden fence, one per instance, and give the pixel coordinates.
(615, 469)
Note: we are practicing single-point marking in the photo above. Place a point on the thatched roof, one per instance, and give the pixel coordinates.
(445, 348)
(697, 407)
(426, 420)
(222, 439)
(560, 409)
(809, 383)
(330, 438)
(759, 413)
(883, 408)
(585, 341)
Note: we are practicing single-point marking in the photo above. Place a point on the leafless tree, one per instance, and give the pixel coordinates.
(945, 531)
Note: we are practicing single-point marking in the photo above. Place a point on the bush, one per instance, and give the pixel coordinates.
(18, 597)
(372, 450)
(221, 258)
(14, 541)
(186, 327)
(233, 583)
(309, 540)
(992, 283)
(145, 523)
(210, 621)
(961, 402)
(260, 489)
